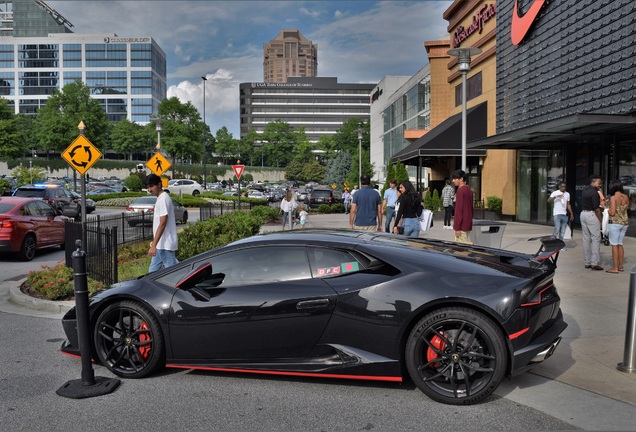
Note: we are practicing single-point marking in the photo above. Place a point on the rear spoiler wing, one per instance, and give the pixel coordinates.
(549, 249)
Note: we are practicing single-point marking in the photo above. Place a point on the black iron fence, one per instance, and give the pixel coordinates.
(104, 234)
(217, 209)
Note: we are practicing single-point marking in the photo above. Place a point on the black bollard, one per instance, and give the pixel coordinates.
(629, 355)
(88, 385)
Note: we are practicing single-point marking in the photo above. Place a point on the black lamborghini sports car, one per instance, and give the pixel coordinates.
(455, 318)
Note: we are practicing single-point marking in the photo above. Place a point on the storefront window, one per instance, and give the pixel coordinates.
(539, 173)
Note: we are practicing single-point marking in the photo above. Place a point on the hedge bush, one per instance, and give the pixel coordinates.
(216, 232)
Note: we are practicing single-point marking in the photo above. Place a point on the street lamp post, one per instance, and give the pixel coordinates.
(205, 174)
(463, 55)
(359, 154)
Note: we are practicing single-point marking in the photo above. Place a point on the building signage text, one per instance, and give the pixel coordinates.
(127, 40)
(263, 84)
(483, 15)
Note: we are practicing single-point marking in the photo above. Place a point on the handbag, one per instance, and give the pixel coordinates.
(605, 223)
(426, 220)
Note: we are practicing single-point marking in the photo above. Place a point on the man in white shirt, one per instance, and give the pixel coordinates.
(165, 241)
(561, 200)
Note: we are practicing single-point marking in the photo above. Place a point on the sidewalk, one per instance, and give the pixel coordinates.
(594, 305)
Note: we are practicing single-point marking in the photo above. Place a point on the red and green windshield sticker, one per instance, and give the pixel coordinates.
(342, 268)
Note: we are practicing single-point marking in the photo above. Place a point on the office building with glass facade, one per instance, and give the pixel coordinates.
(38, 55)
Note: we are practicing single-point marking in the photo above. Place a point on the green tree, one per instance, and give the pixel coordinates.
(226, 145)
(12, 144)
(57, 122)
(182, 130)
(127, 138)
(305, 171)
(390, 174)
(279, 140)
(367, 167)
(24, 175)
(338, 168)
(400, 172)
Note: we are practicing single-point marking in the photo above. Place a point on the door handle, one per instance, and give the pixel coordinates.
(312, 304)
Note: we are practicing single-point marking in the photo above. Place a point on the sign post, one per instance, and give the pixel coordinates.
(238, 171)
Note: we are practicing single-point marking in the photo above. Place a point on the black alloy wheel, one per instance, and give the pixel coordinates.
(456, 356)
(129, 340)
(27, 251)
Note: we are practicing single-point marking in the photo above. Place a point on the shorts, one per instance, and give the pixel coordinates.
(302, 221)
(616, 233)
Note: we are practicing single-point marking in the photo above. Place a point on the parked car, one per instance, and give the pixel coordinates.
(184, 186)
(456, 318)
(55, 195)
(320, 196)
(90, 204)
(101, 191)
(256, 195)
(29, 224)
(230, 194)
(140, 211)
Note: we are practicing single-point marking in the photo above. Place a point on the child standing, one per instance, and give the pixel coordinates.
(303, 216)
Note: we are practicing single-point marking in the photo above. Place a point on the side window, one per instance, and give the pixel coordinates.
(45, 209)
(261, 265)
(333, 262)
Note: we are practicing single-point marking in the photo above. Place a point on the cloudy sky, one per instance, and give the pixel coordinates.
(358, 41)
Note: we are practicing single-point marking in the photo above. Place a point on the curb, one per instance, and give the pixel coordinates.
(18, 298)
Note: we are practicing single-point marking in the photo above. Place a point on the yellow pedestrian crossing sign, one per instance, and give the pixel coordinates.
(158, 164)
(81, 154)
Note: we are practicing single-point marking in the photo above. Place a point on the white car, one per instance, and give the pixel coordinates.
(256, 194)
(184, 186)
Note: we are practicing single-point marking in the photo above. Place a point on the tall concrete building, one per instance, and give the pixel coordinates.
(319, 105)
(290, 54)
(39, 54)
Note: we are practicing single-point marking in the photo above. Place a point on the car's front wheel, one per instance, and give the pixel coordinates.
(128, 340)
(184, 220)
(456, 356)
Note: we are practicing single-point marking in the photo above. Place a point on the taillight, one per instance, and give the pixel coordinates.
(129, 208)
(6, 223)
(542, 295)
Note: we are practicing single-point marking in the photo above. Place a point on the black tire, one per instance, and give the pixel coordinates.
(128, 340)
(132, 223)
(456, 356)
(27, 251)
(195, 193)
(185, 218)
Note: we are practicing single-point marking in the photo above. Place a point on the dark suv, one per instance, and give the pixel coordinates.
(56, 195)
(320, 196)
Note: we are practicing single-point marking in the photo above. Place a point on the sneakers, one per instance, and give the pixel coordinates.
(448, 227)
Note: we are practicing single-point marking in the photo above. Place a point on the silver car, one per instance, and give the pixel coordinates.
(140, 211)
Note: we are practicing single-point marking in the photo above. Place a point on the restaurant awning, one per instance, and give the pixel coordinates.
(576, 128)
(445, 140)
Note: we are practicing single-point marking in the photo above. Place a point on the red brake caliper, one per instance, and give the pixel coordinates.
(440, 345)
(144, 337)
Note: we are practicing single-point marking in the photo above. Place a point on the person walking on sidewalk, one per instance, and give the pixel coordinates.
(618, 222)
(463, 222)
(287, 206)
(591, 219)
(561, 210)
(410, 206)
(164, 227)
(390, 198)
(448, 201)
(366, 210)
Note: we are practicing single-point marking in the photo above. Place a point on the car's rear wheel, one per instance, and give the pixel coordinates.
(27, 251)
(456, 356)
(195, 193)
(128, 340)
(184, 220)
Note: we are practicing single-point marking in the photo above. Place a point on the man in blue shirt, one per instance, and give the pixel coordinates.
(366, 209)
(390, 198)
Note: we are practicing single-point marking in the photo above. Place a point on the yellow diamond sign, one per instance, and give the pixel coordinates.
(158, 164)
(81, 154)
